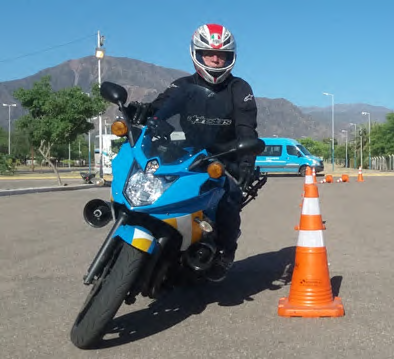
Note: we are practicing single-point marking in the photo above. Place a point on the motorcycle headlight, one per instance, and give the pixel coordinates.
(143, 189)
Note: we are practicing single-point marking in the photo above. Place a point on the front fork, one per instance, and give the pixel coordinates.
(105, 251)
(168, 242)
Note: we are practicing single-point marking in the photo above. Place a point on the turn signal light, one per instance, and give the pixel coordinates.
(119, 128)
(215, 170)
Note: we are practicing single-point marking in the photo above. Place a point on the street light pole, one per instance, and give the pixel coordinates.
(100, 55)
(355, 143)
(90, 163)
(90, 146)
(332, 127)
(9, 124)
(346, 163)
(361, 147)
(369, 138)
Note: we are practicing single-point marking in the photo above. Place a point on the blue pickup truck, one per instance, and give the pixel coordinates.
(286, 155)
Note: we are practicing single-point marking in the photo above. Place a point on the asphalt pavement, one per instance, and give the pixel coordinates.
(46, 248)
(44, 180)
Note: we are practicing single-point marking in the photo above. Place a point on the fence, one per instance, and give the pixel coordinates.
(383, 163)
(378, 163)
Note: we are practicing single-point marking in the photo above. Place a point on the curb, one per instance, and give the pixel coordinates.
(12, 192)
(356, 174)
(12, 178)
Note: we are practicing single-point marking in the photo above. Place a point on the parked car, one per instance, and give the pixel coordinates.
(286, 155)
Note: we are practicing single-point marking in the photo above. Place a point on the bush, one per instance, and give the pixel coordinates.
(7, 165)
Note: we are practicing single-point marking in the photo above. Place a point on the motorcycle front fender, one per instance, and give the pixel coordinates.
(138, 237)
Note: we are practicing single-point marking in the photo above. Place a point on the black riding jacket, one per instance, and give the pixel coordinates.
(230, 115)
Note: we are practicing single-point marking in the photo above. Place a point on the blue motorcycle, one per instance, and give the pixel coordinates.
(164, 196)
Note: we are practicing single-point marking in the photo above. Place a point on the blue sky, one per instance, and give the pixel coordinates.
(292, 49)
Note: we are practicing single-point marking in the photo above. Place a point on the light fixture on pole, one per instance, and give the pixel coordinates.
(9, 124)
(346, 162)
(332, 127)
(100, 52)
(369, 137)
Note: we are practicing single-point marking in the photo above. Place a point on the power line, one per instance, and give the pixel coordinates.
(48, 49)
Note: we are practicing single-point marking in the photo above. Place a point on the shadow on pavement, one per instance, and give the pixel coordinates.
(248, 277)
(336, 285)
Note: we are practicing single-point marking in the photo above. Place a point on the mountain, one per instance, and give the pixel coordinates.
(145, 81)
(347, 113)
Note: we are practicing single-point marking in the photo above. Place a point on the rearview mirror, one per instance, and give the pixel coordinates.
(251, 146)
(113, 93)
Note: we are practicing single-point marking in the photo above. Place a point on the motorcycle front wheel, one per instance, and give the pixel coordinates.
(106, 297)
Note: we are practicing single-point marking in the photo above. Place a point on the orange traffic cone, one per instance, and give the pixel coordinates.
(329, 179)
(360, 177)
(308, 177)
(308, 181)
(345, 178)
(310, 291)
(314, 175)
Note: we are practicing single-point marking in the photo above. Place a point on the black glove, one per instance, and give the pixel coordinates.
(246, 174)
(159, 127)
(138, 112)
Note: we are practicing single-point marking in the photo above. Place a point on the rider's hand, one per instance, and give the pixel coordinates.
(159, 127)
(246, 173)
(138, 112)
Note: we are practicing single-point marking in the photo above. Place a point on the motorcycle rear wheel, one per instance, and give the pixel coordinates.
(106, 297)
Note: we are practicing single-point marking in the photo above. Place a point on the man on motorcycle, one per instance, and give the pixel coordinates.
(232, 116)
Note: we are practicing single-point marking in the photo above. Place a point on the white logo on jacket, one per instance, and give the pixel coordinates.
(248, 98)
(209, 121)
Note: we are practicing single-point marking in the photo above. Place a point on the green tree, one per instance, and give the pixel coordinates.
(116, 144)
(56, 117)
(382, 137)
(21, 145)
(317, 148)
(3, 141)
(378, 140)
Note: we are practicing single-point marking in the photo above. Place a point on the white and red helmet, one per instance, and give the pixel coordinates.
(213, 37)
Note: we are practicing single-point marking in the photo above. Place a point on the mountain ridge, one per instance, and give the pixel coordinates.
(144, 81)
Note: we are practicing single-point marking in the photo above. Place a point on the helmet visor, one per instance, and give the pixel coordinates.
(224, 58)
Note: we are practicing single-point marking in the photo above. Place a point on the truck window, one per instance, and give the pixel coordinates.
(304, 150)
(292, 150)
(272, 151)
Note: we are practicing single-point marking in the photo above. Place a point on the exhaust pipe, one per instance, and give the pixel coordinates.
(97, 213)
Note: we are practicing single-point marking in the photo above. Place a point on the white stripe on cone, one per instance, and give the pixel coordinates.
(308, 179)
(310, 238)
(311, 206)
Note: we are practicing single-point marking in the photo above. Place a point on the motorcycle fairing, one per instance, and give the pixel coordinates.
(137, 237)
(187, 227)
(182, 196)
(142, 238)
